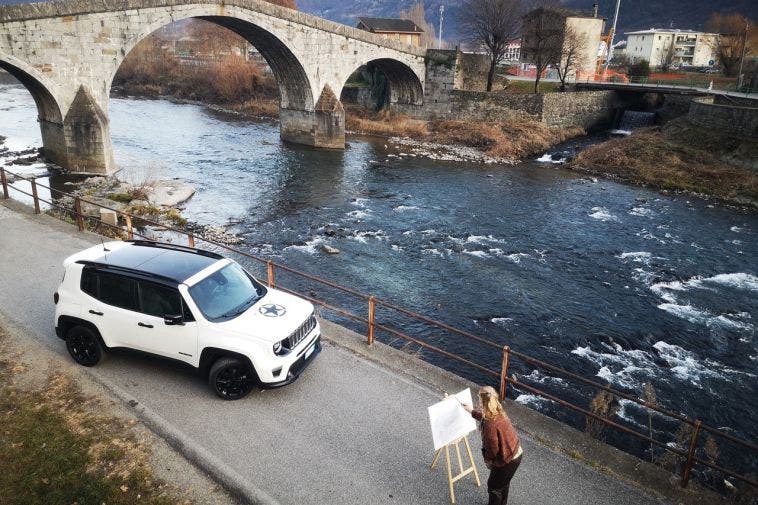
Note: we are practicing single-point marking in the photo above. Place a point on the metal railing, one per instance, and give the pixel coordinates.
(690, 83)
(689, 456)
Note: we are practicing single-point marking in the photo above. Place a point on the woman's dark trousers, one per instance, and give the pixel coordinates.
(500, 481)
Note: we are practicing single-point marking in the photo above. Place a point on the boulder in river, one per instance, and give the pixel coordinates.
(329, 249)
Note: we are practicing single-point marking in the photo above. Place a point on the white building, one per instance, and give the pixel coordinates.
(512, 51)
(666, 47)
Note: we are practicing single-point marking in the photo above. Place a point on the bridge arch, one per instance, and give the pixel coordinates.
(294, 84)
(403, 85)
(49, 111)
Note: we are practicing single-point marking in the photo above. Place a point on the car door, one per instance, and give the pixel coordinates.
(113, 310)
(178, 341)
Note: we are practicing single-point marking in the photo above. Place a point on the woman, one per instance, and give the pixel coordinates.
(500, 444)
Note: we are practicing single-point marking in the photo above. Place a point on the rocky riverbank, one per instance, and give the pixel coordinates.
(679, 156)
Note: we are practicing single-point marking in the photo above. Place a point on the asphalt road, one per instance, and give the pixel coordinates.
(348, 431)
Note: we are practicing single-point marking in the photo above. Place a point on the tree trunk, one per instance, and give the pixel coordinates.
(491, 74)
(537, 82)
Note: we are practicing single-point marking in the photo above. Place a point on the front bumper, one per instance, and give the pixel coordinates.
(297, 367)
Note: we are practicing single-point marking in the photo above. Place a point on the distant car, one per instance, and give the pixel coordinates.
(711, 70)
(185, 304)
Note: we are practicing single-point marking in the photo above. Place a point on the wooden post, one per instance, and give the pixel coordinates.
(191, 239)
(504, 372)
(78, 213)
(271, 274)
(691, 455)
(35, 197)
(462, 472)
(129, 228)
(5, 183)
(371, 319)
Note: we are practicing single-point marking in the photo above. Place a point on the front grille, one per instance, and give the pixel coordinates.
(299, 334)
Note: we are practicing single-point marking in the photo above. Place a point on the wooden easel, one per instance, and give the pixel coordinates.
(452, 479)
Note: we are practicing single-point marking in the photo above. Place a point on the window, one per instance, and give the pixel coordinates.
(117, 290)
(159, 301)
(89, 281)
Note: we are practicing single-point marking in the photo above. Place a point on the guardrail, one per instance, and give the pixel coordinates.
(689, 456)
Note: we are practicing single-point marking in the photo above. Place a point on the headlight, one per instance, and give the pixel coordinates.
(279, 349)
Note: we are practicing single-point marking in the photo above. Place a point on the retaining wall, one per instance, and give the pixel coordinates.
(735, 119)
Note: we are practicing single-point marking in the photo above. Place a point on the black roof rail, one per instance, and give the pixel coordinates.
(176, 247)
(135, 272)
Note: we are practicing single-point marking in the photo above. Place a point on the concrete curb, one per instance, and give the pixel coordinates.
(219, 471)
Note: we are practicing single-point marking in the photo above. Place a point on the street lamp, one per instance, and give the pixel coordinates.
(742, 59)
(442, 15)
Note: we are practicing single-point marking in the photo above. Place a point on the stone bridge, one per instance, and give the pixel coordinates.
(66, 53)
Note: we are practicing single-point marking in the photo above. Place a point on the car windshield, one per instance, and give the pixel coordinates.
(226, 293)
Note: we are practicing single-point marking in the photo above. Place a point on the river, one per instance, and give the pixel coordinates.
(620, 283)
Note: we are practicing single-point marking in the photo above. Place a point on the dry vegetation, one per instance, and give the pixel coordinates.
(510, 139)
(680, 156)
(56, 446)
(217, 71)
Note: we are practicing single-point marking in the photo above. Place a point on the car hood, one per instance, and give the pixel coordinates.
(272, 318)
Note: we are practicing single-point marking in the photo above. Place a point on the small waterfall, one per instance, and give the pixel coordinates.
(633, 119)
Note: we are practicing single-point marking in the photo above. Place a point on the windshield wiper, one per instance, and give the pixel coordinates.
(240, 308)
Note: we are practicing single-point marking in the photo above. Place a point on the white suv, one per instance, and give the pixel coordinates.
(186, 304)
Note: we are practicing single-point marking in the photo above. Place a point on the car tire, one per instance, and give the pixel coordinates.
(84, 346)
(231, 378)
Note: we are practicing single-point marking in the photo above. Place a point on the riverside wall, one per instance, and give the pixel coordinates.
(723, 116)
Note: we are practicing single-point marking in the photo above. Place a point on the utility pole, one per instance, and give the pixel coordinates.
(742, 60)
(442, 15)
(611, 35)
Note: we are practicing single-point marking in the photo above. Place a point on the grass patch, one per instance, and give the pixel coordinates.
(511, 139)
(682, 157)
(55, 449)
(519, 87)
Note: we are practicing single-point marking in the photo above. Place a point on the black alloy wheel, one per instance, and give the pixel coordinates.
(230, 378)
(84, 346)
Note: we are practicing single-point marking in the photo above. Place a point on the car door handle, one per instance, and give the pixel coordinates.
(145, 325)
(96, 312)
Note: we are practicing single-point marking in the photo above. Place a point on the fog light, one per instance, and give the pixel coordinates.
(276, 372)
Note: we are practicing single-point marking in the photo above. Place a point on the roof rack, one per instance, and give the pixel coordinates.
(176, 247)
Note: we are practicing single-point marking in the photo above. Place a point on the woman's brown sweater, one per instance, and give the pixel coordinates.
(499, 440)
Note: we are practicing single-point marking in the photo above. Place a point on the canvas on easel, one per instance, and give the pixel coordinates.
(451, 425)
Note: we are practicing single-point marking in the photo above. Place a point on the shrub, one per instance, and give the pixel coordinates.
(640, 69)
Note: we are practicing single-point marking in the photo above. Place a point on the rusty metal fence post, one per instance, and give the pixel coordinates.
(78, 213)
(271, 274)
(191, 239)
(504, 372)
(691, 454)
(35, 197)
(5, 183)
(129, 228)
(371, 319)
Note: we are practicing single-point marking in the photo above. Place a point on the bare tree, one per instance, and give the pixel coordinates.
(574, 46)
(491, 24)
(542, 39)
(417, 14)
(733, 41)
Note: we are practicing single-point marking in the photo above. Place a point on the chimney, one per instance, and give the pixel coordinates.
(594, 10)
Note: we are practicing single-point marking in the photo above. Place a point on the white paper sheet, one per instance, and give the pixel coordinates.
(449, 420)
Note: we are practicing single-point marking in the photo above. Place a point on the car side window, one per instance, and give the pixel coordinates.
(118, 290)
(157, 300)
(89, 281)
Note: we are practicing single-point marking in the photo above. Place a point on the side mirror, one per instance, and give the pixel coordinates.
(173, 319)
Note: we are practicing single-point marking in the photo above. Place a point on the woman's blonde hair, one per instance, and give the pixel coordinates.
(491, 406)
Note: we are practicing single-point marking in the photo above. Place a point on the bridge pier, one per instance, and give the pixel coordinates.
(323, 127)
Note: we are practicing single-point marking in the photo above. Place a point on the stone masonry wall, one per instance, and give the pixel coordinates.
(738, 120)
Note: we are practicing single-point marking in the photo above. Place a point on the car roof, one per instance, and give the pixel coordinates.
(165, 261)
